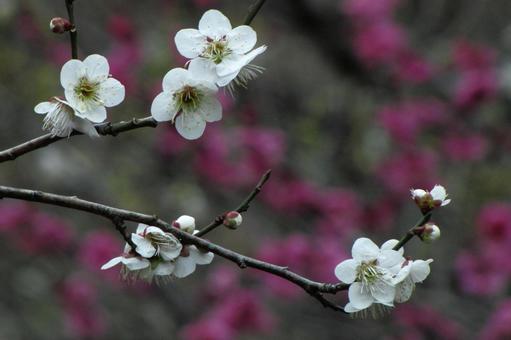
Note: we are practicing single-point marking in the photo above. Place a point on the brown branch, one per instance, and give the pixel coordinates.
(73, 33)
(114, 214)
(412, 232)
(253, 10)
(104, 129)
(241, 208)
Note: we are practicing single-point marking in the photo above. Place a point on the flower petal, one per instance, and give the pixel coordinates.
(190, 42)
(164, 269)
(202, 69)
(168, 252)
(141, 228)
(214, 24)
(359, 296)
(346, 271)
(144, 246)
(388, 245)
(350, 309)
(241, 39)
(184, 266)
(211, 109)
(44, 107)
(97, 67)
(200, 257)
(154, 230)
(384, 292)
(364, 250)
(438, 193)
(71, 72)
(163, 108)
(113, 262)
(390, 258)
(136, 263)
(190, 125)
(84, 126)
(404, 291)
(112, 92)
(175, 79)
(420, 270)
(95, 114)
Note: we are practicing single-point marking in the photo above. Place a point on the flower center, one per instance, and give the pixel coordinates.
(368, 273)
(188, 98)
(216, 50)
(87, 91)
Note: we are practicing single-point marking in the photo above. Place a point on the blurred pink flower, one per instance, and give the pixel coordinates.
(13, 215)
(479, 275)
(222, 281)
(498, 327)
(379, 43)
(209, 328)
(340, 212)
(494, 222)
(427, 322)
(474, 88)
(405, 121)
(290, 195)
(45, 234)
(169, 143)
(96, 249)
(412, 68)
(121, 27)
(469, 147)
(469, 56)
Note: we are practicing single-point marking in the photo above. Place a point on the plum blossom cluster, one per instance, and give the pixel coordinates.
(88, 90)
(379, 276)
(159, 256)
(220, 56)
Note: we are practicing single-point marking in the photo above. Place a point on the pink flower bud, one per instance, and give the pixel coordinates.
(232, 220)
(430, 233)
(60, 25)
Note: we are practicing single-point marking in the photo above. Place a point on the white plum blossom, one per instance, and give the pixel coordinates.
(429, 200)
(412, 272)
(230, 51)
(152, 241)
(188, 99)
(133, 265)
(369, 274)
(190, 257)
(185, 223)
(61, 119)
(89, 87)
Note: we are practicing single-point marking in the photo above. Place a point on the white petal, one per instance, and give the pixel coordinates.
(95, 114)
(203, 69)
(163, 108)
(445, 202)
(404, 291)
(170, 252)
(199, 257)
(136, 263)
(190, 125)
(214, 24)
(389, 258)
(84, 126)
(154, 230)
(418, 193)
(438, 193)
(388, 245)
(402, 274)
(384, 292)
(164, 269)
(186, 223)
(175, 79)
(190, 42)
(71, 72)
(420, 270)
(44, 107)
(72, 99)
(242, 39)
(364, 250)
(233, 63)
(97, 67)
(144, 247)
(184, 266)
(111, 92)
(113, 262)
(211, 109)
(350, 309)
(141, 228)
(346, 271)
(360, 297)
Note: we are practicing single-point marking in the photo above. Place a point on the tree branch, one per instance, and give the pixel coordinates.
(73, 34)
(104, 129)
(253, 10)
(241, 208)
(411, 233)
(114, 214)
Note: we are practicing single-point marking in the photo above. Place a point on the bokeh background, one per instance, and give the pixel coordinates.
(361, 100)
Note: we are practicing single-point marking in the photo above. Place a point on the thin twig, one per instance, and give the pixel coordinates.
(73, 33)
(111, 213)
(121, 228)
(411, 233)
(241, 208)
(104, 129)
(253, 10)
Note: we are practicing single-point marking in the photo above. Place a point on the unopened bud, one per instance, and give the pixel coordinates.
(60, 25)
(232, 220)
(430, 233)
(185, 223)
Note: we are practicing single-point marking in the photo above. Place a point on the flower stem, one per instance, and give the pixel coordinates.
(72, 33)
(253, 10)
(411, 233)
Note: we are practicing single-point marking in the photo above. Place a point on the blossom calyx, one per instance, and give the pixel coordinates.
(232, 220)
(60, 25)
